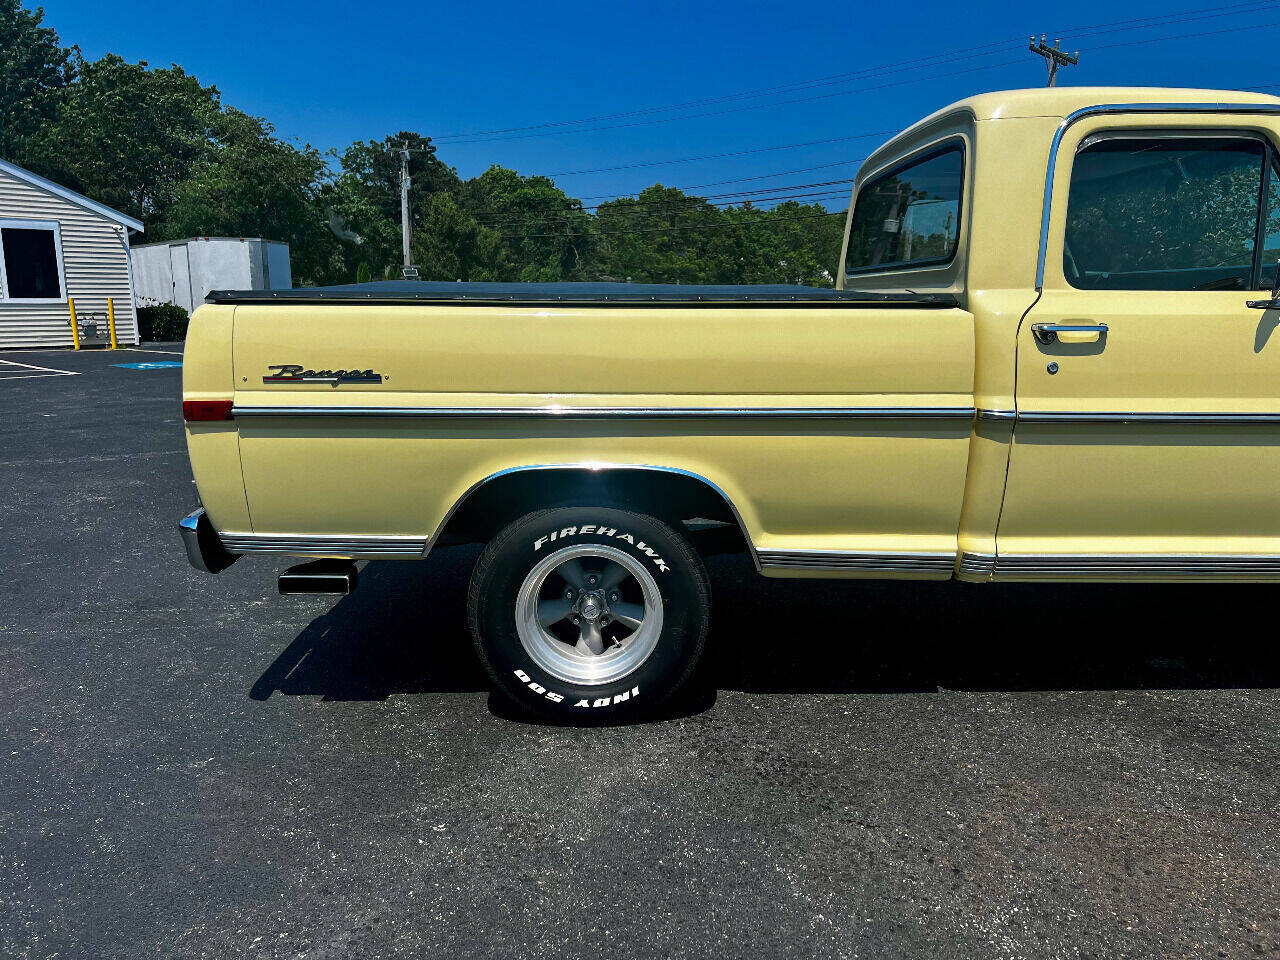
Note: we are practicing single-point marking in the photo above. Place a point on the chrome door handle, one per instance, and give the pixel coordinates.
(1075, 332)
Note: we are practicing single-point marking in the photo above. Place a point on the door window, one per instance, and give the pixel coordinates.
(1168, 213)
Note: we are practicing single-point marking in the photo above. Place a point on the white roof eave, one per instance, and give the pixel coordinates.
(70, 196)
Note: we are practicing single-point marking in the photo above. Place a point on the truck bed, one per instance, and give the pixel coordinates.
(587, 294)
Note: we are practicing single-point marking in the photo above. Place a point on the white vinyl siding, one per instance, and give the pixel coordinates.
(95, 263)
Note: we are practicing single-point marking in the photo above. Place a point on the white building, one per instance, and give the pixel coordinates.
(56, 244)
(184, 271)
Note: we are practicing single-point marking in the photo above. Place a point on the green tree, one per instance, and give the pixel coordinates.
(791, 243)
(253, 184)
(159, 145)
(666, 236)
(546, 235)
(34, 68)
(452, 245)
(128, 136)
(366, 194)
(363, 274)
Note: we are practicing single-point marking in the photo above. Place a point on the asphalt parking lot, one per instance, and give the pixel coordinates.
(197, 767)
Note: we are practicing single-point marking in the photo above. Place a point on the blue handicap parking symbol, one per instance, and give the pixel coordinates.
(150, 365)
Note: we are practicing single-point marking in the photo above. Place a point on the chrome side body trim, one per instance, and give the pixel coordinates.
(558, 412)
(1118, 108)
(595, 467)
(891, 562)
(1119, 416)
(1070, 416)
(1003, 416)
(1130, 566)
(325, 545)
(978, 564)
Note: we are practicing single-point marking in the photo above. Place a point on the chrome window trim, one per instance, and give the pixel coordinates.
(1114, 109)
(559, 412)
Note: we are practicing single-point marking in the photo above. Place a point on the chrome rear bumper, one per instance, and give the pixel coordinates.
(204, 548)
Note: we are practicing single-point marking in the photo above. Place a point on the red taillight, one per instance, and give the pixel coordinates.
(194, 411)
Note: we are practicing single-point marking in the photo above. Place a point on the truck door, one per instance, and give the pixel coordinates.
(1147, 443)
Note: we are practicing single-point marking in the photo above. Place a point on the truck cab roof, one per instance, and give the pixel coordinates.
(1062, 102)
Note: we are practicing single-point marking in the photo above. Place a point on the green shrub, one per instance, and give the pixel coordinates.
(162, 322)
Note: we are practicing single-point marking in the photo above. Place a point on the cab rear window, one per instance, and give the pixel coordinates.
(909, 216)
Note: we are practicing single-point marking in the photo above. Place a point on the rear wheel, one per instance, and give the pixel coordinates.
(589, 612)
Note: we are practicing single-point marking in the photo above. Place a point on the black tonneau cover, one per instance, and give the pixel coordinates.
(586, 294)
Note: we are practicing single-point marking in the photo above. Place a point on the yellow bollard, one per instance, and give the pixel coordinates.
(111, 323)
(75, 327)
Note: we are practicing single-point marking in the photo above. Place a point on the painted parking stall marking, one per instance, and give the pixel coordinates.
(13, 370)
(150, 365)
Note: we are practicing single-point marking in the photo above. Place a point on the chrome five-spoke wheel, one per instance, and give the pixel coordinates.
(589, 614)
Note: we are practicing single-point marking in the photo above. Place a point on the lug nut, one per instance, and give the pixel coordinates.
(568, 594)
(613, 597)
(591, 580)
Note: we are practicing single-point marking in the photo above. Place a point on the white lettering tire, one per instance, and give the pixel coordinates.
(589, 613)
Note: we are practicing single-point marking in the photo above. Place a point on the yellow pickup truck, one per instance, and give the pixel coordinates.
(1045, 357)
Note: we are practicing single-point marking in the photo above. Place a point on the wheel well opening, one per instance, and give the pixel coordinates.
(679, 499)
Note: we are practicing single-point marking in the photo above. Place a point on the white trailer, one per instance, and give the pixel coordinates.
(184, 271)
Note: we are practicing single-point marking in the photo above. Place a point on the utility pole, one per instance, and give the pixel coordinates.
(1054, 57)
(406, 231)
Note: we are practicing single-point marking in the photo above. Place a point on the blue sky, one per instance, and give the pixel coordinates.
(327, 73)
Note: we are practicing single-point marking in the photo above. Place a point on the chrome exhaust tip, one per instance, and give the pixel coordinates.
(320, 576)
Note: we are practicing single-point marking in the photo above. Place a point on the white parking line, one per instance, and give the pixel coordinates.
(45, 371)
(172, 353)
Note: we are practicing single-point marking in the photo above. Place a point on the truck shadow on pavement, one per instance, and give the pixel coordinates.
(404, 632)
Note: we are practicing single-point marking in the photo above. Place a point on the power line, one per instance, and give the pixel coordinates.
(755, 106)
(498, 218)
(867, 89)
(1089, 30)
(717, 183)
(718, 156)
(814, 200)
(570, 224)
(1183, 36)
(989, 49)
(738, 196)
(672, 206)
(660, 205)
(747, 195)
(697, 228)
